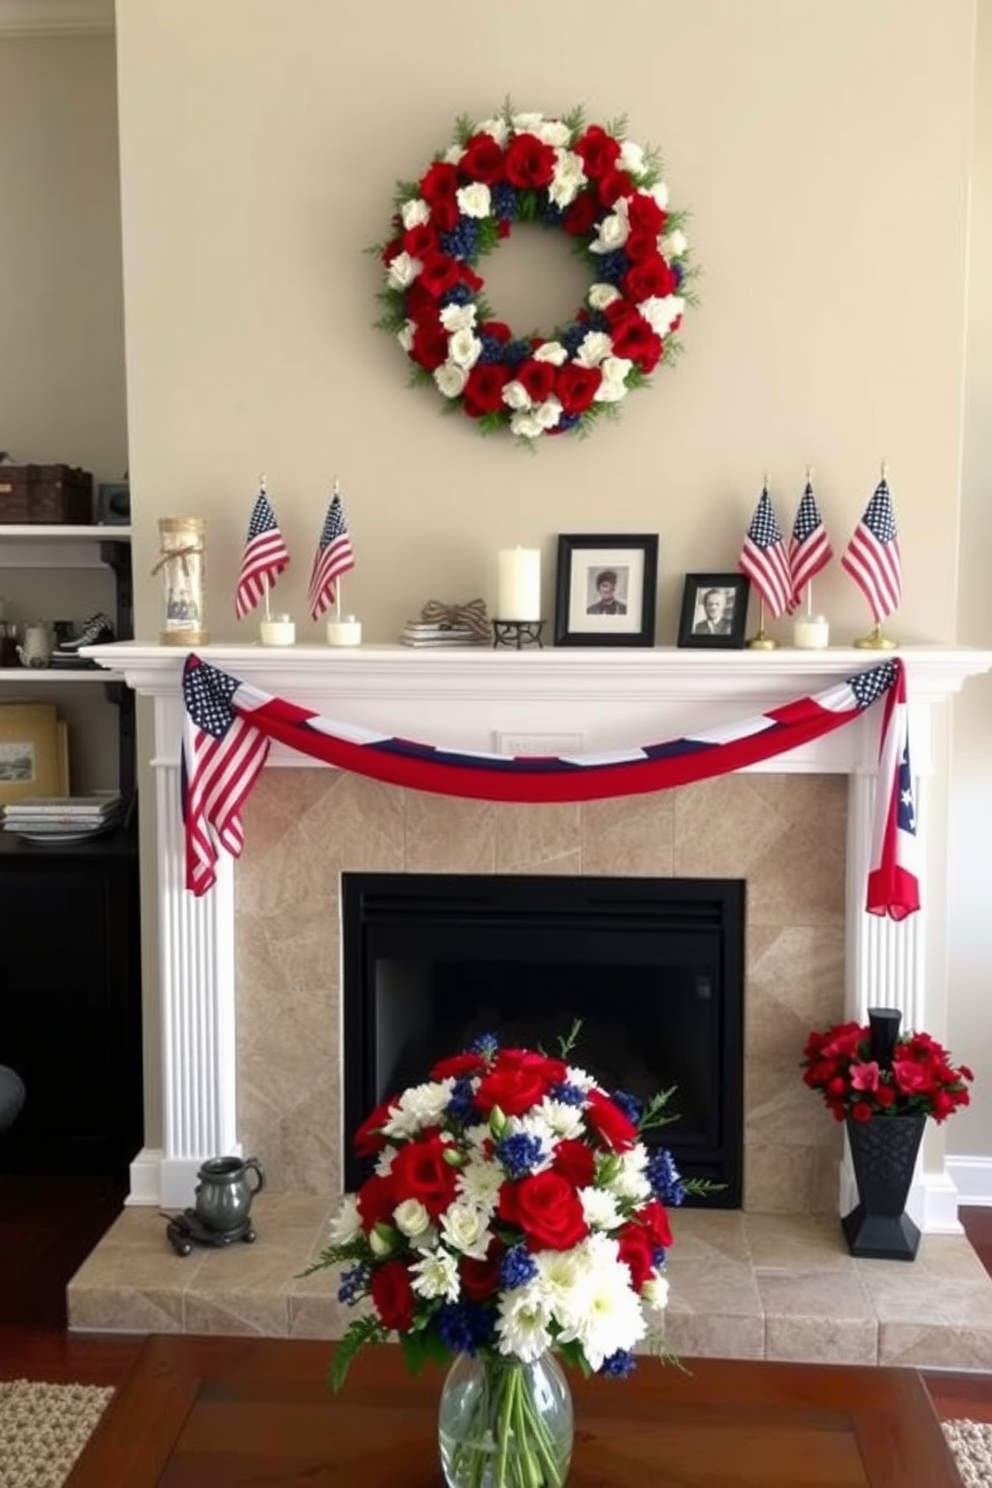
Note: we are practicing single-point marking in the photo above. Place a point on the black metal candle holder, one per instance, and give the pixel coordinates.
(884, 1024)
(517, 634)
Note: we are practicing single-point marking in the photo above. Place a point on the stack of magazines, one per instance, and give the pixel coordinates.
(63, 818)
(422, 633)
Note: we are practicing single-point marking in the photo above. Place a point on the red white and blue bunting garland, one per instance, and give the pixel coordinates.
(229, 726)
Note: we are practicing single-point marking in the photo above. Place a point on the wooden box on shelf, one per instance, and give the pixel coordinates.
(45, 494)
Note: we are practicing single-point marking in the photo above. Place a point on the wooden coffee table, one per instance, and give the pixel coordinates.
(232, 1412)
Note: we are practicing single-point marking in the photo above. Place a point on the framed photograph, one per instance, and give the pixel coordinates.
(32, 759)
(714, 611)
(606, 588)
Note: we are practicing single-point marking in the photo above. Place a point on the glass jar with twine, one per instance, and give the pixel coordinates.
(182, 564)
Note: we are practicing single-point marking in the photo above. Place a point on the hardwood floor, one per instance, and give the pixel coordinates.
(49, 1225)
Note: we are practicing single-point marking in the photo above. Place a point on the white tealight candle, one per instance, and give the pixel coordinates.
(278, 631)
(346, 632)
(518, 589)
(811, 633)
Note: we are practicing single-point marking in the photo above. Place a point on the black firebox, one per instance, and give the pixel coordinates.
(653, 967)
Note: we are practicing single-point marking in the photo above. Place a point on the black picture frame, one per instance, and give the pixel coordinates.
(734, 590)
(585, 562)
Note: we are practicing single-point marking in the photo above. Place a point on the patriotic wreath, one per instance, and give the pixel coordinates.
(600, 188)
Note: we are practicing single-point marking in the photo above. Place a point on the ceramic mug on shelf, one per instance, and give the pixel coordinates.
(38, 645)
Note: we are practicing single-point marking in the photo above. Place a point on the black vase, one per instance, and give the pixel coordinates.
(884, 1152)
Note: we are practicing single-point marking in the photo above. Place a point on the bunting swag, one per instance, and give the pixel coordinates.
(229, 726)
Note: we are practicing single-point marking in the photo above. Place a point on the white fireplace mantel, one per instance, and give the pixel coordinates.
(540, 701)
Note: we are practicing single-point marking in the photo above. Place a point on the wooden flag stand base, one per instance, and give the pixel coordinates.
(876, 641)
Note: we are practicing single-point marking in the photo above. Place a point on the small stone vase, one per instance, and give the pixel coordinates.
(505, 1424)
(884, 1152)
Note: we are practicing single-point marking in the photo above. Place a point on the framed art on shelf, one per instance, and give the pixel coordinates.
(714, 611)
(32, 752)
(606, 588)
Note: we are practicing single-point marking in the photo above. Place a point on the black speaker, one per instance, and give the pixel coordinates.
(113, 504)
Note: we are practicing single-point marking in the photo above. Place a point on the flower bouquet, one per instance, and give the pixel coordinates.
(513, 1215)
(864, 1070)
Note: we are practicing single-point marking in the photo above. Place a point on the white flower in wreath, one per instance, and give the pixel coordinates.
(568, 179)
(464, 349)
(548, 413)
(613, 230)
(553, 352)
(660, 193)
(631, 157)
(673, 244)
(661, 313)
(474, 200)
(526, 426)
(405, 336)
(613, 386)
(458, 317)
(553, 132)
(601, 295)
(498, 128)
(527, 123)
(453, 155)
(515, 395)
(450, 379)
(594, 348)
(415, 213)
(403, 270)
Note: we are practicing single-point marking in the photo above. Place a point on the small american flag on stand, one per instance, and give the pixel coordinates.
(809, 547)
(764, 559)
(872, 557)
(265, 555)
(334, 557)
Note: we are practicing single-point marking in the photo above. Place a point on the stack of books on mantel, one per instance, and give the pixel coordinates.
(63, 818)
(422, 633)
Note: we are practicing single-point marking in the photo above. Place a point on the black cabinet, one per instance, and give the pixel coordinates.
(70, 1003)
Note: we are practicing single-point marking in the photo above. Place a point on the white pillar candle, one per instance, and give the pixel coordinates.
(279, 631)
(518, 589)
(346, 632)
(811, 633)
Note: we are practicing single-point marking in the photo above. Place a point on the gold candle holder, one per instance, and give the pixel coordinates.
(182, 564)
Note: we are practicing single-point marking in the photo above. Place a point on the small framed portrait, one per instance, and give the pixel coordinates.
(606, 589)
(714, 611)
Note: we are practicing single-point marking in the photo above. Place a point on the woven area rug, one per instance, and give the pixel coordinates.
(43, 1429)
(971, 1443)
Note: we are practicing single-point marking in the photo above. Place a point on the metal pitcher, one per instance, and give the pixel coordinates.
(225, 1191)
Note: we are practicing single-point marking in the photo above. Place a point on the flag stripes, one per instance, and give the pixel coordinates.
(809, 546)
(333, 558)
(764, 558)
(264, 558)
(872, 557)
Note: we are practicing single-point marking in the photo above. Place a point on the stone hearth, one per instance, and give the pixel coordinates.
(251, 996)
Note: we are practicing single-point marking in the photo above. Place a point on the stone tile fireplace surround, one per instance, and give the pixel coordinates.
(249, 975)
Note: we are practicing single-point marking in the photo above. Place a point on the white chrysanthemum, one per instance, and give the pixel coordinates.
(600, 1208)
(654, 1292)
(553, 352)
(450, 379)
(405, 336)
(594, 348)
(560, 1274)
(515, 395)
(476, 1137)
(420, 1105)
(548, 413)
(346, 1224)
(411, 1218)
(569, 178)
(436, 1275)
(527, 123)
(660, 193)
(526, 426)
(466, 1229)
(458, 317)
(474, 200)
(384, 1162)
(630, 1181)
(604, 1314)
(674, 244)
(453, 155)
(464, 349)
(580, 1078)
(661, 312)
(631, 157)
(562, 1120)
(614, 230)
(613, 386)
(522, 1326)
(415, 213)
(498, 128)
(478, 1183)
(403, 271)
(553, 132)
(601, 295)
